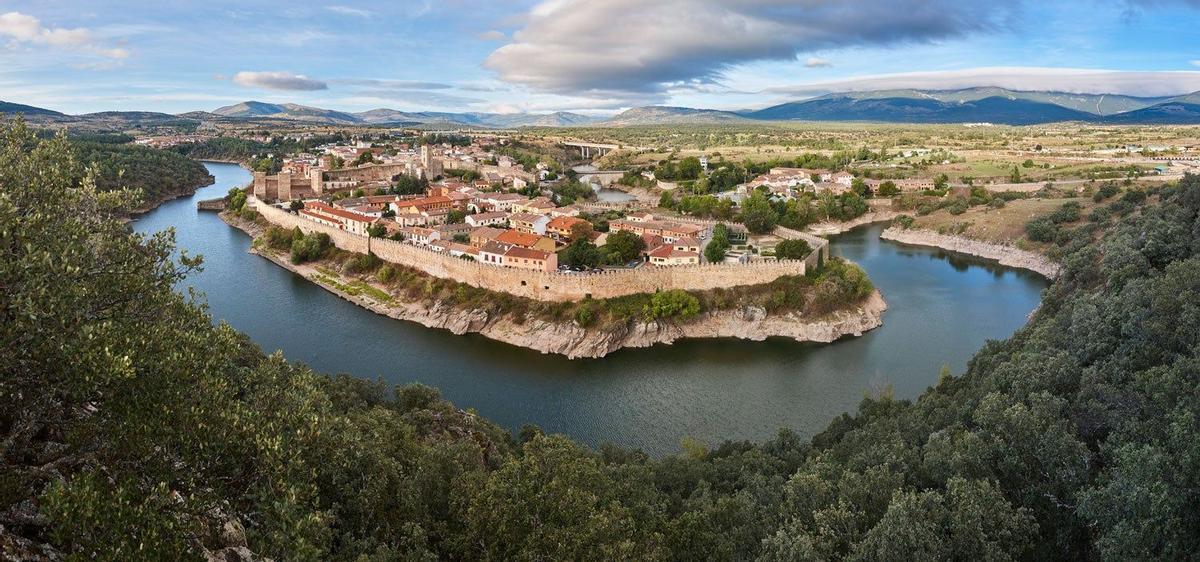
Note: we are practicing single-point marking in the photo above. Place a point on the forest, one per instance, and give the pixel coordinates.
(133, 428)
(157, 174)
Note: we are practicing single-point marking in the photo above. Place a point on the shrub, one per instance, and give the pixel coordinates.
(310, 247)
(1068, 212)
(385, 274)
(675, 303)
(1041, 230)
(792, 250)
(905, 221)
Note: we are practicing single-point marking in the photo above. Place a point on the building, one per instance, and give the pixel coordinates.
(430, 164)
(561, 227)
(527, 258)
(669, 231)
(525, 222)
(420, 236)
(481, 236)
(526, 240)
(670, 255)
(536, 206)
(323, 213)
(493, 252)
(491, 218)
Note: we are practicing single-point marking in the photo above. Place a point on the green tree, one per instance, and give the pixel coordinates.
(580, 253)
(792, 250)
(623, 247)
(888, 189)
(758, 215)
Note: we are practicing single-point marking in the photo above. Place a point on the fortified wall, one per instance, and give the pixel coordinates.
(539, 285)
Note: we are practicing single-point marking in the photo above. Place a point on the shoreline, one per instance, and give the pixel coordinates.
(1007, 256)
(835, 228)
(569, 339)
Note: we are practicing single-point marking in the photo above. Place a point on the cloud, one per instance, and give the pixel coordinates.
(815, 62)
(394, 84)
(348, 11)
(1195, 62)
(24, 28)
(492, 35)
(1072, 80)
(568, 46)
(278, 81)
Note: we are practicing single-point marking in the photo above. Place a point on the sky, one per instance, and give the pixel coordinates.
(586, 56)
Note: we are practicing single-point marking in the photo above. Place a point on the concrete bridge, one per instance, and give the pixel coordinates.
(591, 149)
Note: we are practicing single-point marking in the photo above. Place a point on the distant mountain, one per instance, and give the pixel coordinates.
(1097, 104)
(289, 111)
(660, 115)
(9, 108)
(992, 105)
(1181, 110)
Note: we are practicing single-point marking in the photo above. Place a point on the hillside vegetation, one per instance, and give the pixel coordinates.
(158, 174)
(133, 428)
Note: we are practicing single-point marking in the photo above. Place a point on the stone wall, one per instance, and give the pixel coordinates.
(540, 285)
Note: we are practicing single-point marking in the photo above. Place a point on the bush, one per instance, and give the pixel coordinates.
(1069, 212)
(675, 303)
(1107, 190)
(1041, 230)
(385, 274)
(792, 250)
(310, 247)
(905, 221)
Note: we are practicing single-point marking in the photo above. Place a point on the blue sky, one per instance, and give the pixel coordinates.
(591, 56)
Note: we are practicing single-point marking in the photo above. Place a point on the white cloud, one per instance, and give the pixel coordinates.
(278, 80)
(1196, 62)
(349, 11)
(571, 46)
(24, 28)
(816, 62)
(1071, 80)
(493, 35)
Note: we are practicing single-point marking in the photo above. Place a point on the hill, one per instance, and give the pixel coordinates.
(659, 115)
(1181, 110)
(9, 108)
(290, 111)
(902, 107)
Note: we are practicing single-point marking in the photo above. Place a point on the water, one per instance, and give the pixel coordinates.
(942, 309)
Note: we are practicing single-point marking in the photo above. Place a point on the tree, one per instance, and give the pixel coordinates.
(758, 215)
(689, 168)
(296, 205)
(666, 200)
(1015, 176)
(377, 230)
(456, 216)
(792, 250)
(716, 249)
(365, 158)
(941, 182)
(859, 186)
(675, 303)
(888, 189)
(580, 253)
(623, 247)
(582, 231)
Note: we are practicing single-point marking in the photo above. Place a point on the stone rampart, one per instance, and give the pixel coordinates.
(558, 286)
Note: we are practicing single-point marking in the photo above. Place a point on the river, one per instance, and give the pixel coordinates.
(942, 309)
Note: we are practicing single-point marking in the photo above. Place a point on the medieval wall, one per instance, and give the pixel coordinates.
(541, 285)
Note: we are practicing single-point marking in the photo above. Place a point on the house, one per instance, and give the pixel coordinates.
(568, 211)
(536, 206)
(561, 227)
(450, 230)
(843, 178)
(482, 235)
(491, 218)
(525, 222)
(419, 204)
(527, 258)
(501, 201)
(668, 230)
(670, 255)
(493, 252)
(323, 213)
(419, 236)
(527, 240)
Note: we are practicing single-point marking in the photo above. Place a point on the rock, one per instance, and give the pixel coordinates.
(1007, 255)
(233, 534)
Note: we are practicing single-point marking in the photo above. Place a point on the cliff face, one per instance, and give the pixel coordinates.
(573, 341)
(1006, 255)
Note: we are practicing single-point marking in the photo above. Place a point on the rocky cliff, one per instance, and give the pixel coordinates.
(1007, 255)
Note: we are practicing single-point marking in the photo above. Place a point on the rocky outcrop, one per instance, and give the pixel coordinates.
(1007, 255)
(831, 228)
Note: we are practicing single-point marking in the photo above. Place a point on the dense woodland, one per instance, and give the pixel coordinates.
(158, 174)
(132, 428)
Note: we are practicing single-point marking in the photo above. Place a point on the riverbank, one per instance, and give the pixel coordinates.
(1007, 255)
(834, 228)
(566, 337)
(180, 193)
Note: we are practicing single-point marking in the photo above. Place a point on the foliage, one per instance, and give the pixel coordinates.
(157, 174)
(719, 245)
(310, 247)
(581, 252)
(792, 250)
(134, 428)
(758, 215)
(623, 247)
(671, 304)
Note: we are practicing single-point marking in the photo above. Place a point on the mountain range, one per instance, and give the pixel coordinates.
(969, 105)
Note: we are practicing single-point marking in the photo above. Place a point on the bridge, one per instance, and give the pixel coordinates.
(591, 149)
